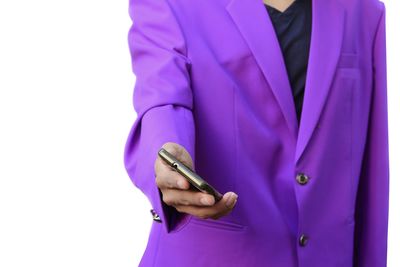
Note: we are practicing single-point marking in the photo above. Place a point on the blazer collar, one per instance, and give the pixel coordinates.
(254, 24)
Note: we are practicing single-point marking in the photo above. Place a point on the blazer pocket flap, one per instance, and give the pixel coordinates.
(348, 60)
(218, 224)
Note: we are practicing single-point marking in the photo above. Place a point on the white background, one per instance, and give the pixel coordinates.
(65, 113)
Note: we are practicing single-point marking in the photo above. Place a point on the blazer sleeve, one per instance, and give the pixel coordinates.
(162, 99)
(371, 215)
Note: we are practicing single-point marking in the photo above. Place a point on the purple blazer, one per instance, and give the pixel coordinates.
(210, 76)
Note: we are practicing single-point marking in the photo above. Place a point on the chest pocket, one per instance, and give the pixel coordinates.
(348, 66)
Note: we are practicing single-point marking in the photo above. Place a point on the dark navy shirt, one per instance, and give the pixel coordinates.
(293, 30)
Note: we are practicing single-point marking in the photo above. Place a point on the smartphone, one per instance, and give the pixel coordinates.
(194, 179)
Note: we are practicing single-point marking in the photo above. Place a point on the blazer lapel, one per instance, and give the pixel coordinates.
(325, 48)
(253, 22)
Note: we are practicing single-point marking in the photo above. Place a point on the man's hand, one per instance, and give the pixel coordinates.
(175, 188)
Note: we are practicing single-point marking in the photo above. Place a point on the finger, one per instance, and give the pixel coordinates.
(222, 207)
(167, 177)
(218, 215)
(172, 181)
(160, 165)
(216, 211)
(174, 197)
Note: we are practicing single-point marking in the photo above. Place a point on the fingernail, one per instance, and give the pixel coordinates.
(205, 201)
(231, 200)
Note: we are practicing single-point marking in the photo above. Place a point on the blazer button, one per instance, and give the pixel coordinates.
(302, 178)
(303, 240)
(156, 217)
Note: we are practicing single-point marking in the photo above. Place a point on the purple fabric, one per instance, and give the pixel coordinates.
(210, 76)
